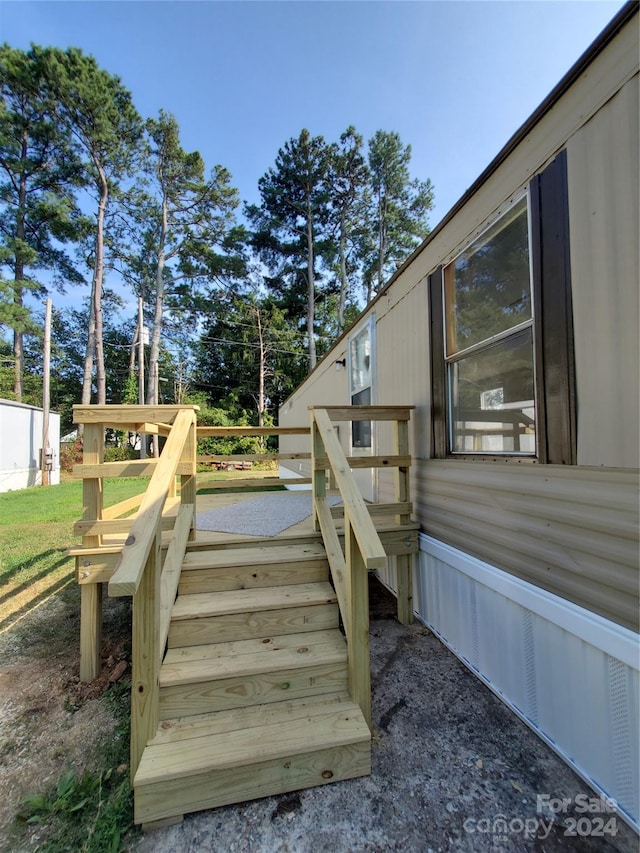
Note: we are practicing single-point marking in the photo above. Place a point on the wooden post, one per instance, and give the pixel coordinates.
(188, 485)
(318, 478)
(358, 596)
(46, 375)
(91, 594)
(145, 662)
(142, 436)
(404, 567)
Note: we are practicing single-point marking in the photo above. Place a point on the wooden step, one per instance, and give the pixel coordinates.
(212, 762)
(207, 678)
(249, 568)
(203, 618)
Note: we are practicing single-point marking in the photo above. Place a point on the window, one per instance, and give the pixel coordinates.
(488, 341)
(360, 381)
(501, 334)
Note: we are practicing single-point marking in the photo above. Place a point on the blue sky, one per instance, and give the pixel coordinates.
(454, 79)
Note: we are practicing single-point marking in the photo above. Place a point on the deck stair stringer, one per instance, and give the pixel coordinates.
(254, 692)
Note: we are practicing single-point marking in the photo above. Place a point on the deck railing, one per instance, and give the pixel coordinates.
(242, 459)
(363, 549)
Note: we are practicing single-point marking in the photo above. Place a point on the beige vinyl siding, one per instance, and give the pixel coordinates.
(605, 250)
(570, 530)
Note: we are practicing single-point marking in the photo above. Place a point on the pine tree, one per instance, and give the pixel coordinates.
(39, 174)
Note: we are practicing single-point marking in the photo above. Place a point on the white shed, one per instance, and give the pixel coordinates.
(20, 445)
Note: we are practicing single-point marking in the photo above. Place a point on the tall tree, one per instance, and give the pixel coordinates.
(39, 172)
(291, 220)
(193, 218)
(98, 110)
(349, 179)
(398, 210)
(249, 357)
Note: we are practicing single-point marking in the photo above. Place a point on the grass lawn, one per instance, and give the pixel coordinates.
(35, 529)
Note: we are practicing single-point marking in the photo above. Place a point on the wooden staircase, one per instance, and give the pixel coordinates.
(254, 692)
(250, 671)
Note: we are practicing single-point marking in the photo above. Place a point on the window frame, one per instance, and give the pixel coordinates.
(362, 438)
(484, 345)
(551, 322)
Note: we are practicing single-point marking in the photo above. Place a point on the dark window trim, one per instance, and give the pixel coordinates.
(439, 414)
(552, 324)
(553, 313)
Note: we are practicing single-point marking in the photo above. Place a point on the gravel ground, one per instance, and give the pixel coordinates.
(453, 770)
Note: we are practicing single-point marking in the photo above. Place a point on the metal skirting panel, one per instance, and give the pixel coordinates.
(547, 659)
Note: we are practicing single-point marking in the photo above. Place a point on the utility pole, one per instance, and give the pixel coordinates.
(46, 454)
(143, 449)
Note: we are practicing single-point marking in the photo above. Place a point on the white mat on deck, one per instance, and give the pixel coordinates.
(266, 515)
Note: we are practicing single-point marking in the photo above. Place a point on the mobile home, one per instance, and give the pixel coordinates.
(21, 436)
(513, 330)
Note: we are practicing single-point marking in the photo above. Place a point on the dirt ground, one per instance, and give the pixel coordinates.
(49, 722)
(453, 768)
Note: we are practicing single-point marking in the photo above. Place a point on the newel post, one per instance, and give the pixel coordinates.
(318, 477)
(91, 593)
(145, 662)
(404, 562)
(188, 485)
(358, 597)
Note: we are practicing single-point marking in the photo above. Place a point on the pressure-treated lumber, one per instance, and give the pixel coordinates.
(246, 568)
(135, 415)
(131, 468)
(404, 566)
(286, 752)
(127, 577)
(253, 716)
(358, 596)
(194, 664)
(402, 508)
(336, 559)
(251, 600)
(322, 462)
(208, 431)
(116, 510)
(120, 526)
(261, 688)
(188, 484)
(90, 631)
(355, 508)
(285, 733)
(366, 413)
(145, 662)
(251, 457)
(91, 599)
(256, 483)
(171, 569)
(95, 569)
(252, 555)
(239, 626)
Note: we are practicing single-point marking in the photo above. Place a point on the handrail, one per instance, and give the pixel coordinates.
(135, 551)
(355, 509)
(363, 551)
(363, 547)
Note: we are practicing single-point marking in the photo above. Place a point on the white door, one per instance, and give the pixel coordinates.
(362, 393)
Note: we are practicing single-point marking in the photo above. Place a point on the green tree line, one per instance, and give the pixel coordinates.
(240, 301)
